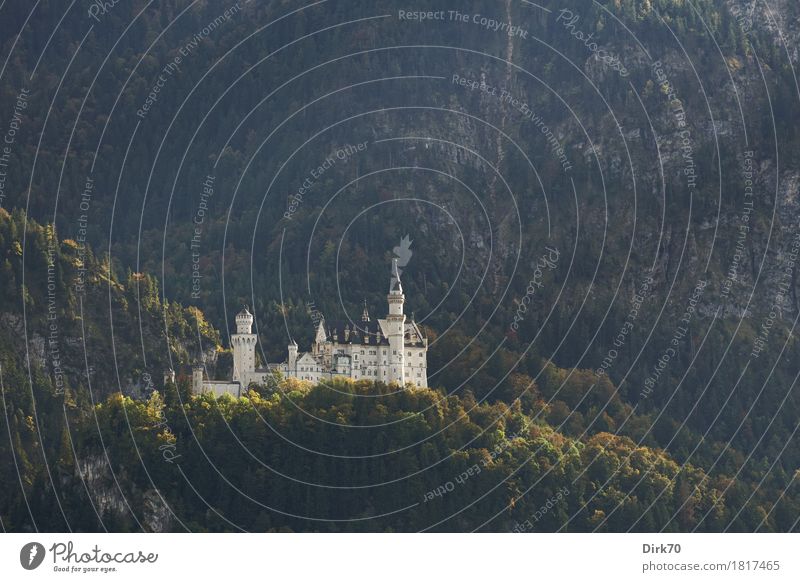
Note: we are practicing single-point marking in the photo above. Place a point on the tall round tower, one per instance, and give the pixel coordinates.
(197, 379)
(396, 322)
(292, 363)
(244, 348)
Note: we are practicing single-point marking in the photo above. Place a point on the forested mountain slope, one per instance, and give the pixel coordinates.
(626, 171)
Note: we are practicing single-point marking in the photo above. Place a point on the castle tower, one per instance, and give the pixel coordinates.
(244, 348)
(396, 322)
(169, 376)
(197, 379)
(292, 371)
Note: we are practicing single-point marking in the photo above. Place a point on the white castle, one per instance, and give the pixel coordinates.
(391, 350)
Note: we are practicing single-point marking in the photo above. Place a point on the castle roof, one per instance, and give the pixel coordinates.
(348, 332)
(369, 333)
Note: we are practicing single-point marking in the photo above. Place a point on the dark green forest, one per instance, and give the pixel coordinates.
(340, 456)
(133, 226)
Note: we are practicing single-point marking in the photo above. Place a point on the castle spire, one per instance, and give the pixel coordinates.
(365, 312)
(395, 287)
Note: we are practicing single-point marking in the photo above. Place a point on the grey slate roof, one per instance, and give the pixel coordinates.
(365, 332)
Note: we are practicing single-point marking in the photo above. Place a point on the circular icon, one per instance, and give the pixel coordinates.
(31, 555)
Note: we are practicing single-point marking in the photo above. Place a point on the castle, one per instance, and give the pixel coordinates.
(391, 350)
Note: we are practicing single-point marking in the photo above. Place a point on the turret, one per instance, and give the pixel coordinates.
(169, 376)
(292, 358)
(244, 348)
(197, 379)
(396, 297)
(244, 321)
(396, 328)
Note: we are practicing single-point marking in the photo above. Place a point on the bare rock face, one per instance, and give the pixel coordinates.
(99, 481)
(96, 475)
(157, 514)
